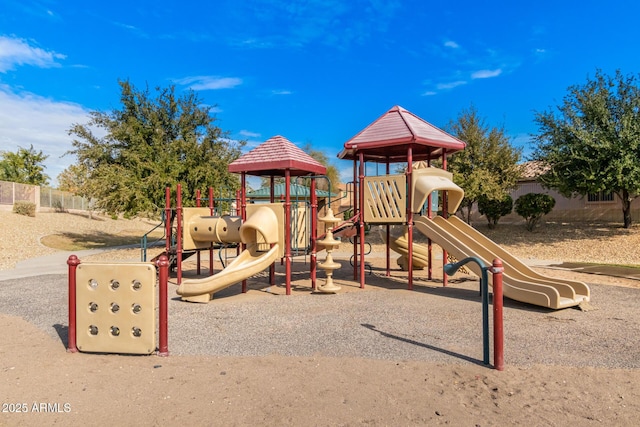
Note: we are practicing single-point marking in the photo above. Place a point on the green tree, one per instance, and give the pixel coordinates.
(533, 206)
(149, 144)
(494, 209)
(24, 166)
(488, 166)
(73, 178)
(592, 143)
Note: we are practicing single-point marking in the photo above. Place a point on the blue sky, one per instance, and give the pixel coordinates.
(315, 71)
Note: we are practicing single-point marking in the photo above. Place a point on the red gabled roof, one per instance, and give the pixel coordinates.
(389, 137)
(273, 157)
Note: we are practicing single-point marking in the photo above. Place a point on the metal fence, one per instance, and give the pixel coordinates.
(42, 197)
(63, 200)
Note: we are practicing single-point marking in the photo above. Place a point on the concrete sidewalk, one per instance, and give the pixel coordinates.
(49, 264)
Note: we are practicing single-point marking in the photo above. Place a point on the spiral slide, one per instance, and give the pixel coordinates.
(260, 232)
(520, 282)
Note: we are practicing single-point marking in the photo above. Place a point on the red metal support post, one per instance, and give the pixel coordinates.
(361, 222)
(272, 199)
(388, 231)
(429, 243)
(445, 214)
(179, 234)
(198, 260)
(167, 219)
(409, 213)
(356, 210)
(211, 207)
(314, 231)
(498, 324)
(243, 196)
(287, 229)
(73, 263)
(163, 305)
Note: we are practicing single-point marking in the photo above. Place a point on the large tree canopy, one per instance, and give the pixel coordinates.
(488, 166)
(24, 166)
(149, 144)
(592, 143)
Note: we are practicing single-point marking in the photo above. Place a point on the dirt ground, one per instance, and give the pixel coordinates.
(42, 384)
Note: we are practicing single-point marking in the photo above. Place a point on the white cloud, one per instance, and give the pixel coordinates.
(451, 44)
(27, 119)
(15, 52)
(486, 74)
(209, 82)
(249, 134)
(429, 93)
(451, 85)
(281, 92)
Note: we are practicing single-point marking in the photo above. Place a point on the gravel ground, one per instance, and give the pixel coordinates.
(21, 234)
(385, 321)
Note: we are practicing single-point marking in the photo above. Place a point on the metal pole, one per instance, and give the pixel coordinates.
(272, 199)
(287, 229)
(429, 243)
(388, 231)
(197, 250)
(73, 263)
(179, 234)
(409, 213)
(314, 227)
(211, 246)
(498, 324)
(167, 219)
(361, 222)
(163, 310)
(445, 207)
(243, 196)
(356, 210)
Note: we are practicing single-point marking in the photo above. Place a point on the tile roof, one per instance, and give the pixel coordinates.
(273, 157)
(531, 170)
(394, 132)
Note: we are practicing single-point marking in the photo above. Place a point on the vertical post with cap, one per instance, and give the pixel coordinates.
(163, 306)
(73, 263)
(498, 325)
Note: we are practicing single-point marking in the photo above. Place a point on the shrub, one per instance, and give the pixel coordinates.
(495, 209)
(533, 206)
(24, 208)
(58, 207)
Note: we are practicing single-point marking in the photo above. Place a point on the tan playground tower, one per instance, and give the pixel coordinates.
(398, 136)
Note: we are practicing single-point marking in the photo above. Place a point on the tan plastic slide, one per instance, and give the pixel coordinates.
(400, 245)
(520, 282)
(258, 232)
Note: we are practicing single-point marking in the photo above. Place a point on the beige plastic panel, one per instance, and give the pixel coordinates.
(427, 180)
(299, 229)
(264, 225)
(200, 229)
(385, 199)
(116, 308)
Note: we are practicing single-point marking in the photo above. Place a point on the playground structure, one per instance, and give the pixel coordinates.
(398, 136)
(264, 231)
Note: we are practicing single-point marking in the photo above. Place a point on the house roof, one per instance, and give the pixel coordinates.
(296, 191)
(531, 170)
(389, 137)
(273, 157)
